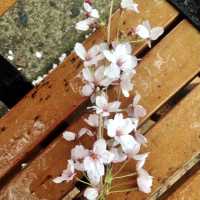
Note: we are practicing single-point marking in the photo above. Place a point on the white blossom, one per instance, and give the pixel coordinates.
(54, 66)
(91, 12)
(78, 153)
(130, 5)
(87, 89)
(69, 136)
(10, 55)
(39, 54)
(62, 58)
(121, 60)
(120, 129)
(136, 110)
(91, 193)
(119, 155)
(94, 163)
(104, 107)
(85, 24)
(37, 81)
(126, 83)
(85, 131)
(141, 139)
(145, 31)
(10, 52)
(144, 181)
(141, 159)
(92, 56)
(67, 175)
(94, 78)
(91, 20)
(92, 120)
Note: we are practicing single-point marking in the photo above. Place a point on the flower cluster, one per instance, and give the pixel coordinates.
(114, 127)
(92, 16)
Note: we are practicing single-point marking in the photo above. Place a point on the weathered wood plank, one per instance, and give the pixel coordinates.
(172, 142)
(189, 190)
(49, 104)
(174, 178)
(36, 179)
(5, 5)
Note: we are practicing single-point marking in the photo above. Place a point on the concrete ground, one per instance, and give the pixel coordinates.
(46, 26)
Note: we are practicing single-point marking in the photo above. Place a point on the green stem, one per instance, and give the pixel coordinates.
(83, 182)
(125, 176)
(137, 41)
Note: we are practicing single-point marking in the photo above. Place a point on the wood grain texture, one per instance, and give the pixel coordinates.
(172, 142)
(36, 179)
(189, 190)
(5, 5)
(176, 176)
(50, 104)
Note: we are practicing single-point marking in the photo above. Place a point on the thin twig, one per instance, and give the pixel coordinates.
(125, 176)
(120, 169)
(109, 22)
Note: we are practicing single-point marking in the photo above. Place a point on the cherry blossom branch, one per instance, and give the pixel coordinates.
(113, 127)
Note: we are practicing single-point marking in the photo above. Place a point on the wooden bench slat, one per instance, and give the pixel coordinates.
(53, 101)
(5, 5)
(38, 176)
(167, 186)
(172, 142)
(189, 189)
